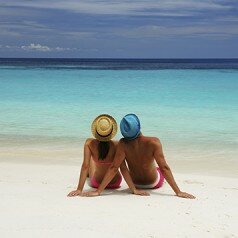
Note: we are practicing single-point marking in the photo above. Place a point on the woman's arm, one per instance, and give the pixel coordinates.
(84, 170)
(126, 175)
(111, 171)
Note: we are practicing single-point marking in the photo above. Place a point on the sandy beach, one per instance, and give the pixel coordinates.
(34, 203)
(73, 70)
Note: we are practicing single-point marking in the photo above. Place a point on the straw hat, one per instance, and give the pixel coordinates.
(104, 127)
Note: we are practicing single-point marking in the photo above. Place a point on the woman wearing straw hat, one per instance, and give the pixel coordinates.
(99, 154)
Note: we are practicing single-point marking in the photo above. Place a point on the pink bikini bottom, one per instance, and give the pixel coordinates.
(95, 184)
(157, 184)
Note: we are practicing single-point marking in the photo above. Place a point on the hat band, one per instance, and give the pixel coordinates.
(105, 135)
(133, 137)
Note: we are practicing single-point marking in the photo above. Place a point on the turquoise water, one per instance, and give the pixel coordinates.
(181, 106)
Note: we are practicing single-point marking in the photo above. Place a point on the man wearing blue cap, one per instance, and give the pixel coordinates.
(139, 152)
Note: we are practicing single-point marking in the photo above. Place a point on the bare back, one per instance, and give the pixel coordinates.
(140, 159)
(93, 145)
(98, 168)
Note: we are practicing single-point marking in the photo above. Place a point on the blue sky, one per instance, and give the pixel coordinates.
(119, 29)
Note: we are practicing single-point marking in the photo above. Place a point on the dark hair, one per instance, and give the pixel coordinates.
(103, 149)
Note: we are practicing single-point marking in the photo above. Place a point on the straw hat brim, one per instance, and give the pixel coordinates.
(113, 131)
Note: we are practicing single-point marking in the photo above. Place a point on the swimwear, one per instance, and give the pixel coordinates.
(95, 184)
(157, 184)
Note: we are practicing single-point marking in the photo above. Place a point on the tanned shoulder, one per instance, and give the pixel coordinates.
(155, 142)
(89, 141)
(122, 143)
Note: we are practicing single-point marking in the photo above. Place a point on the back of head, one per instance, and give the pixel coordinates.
(130, 127)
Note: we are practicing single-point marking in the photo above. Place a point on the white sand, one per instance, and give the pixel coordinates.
(33, 203)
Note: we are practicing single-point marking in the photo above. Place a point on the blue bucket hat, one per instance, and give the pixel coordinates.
(130, 126)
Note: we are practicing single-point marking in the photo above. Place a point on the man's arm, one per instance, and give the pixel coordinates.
(111, 172)
(126, 175)
(84, 171)
(166, 171)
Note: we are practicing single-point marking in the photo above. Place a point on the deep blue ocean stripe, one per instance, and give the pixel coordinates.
(120, 64)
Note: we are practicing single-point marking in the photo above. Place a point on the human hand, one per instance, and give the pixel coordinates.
(75, 193)
(185, 195)
(91, 194)
(140, 192)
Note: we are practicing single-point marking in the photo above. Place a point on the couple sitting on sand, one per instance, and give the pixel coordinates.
(134, 155)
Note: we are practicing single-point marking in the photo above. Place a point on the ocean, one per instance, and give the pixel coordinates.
(191, 105)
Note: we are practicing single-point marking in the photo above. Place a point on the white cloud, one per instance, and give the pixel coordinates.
(45, 48)
(36, 47)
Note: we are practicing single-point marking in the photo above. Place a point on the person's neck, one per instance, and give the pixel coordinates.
(139, 136)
